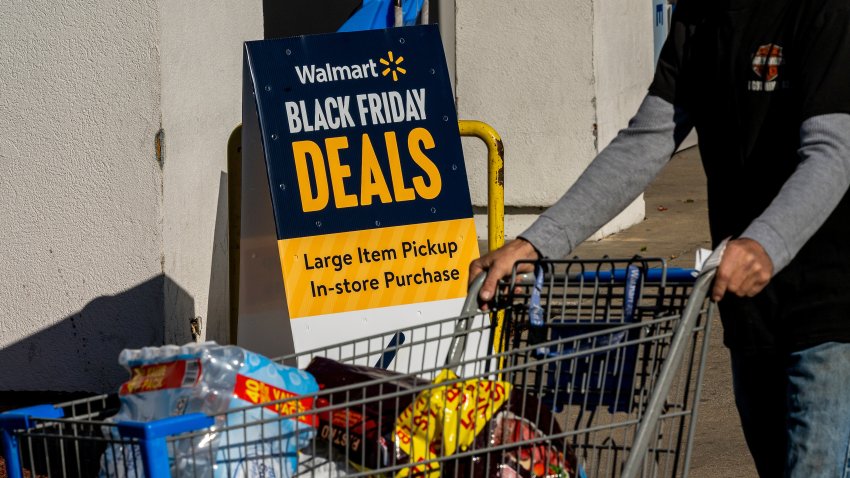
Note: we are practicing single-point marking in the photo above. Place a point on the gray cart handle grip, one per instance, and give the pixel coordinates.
(470, 309)
(470, 306)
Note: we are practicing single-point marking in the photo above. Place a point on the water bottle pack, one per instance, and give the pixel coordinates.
(218, 381)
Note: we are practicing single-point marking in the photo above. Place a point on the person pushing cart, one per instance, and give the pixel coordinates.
(765, 86)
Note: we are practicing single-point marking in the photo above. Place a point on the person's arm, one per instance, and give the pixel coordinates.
(613, 180)
(618, 175)
(800, 208)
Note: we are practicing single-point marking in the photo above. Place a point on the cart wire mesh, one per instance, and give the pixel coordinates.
(568, 359)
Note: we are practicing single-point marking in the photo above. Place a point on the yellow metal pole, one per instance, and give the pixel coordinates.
(234, 220)
(495, 198)
(495, 179)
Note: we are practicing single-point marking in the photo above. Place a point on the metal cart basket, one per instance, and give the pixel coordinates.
(603, 358)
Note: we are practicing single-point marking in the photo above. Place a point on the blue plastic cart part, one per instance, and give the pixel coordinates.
(388, 356)
(603, 380)
(152, 438)
(21, 419)
(674, 274)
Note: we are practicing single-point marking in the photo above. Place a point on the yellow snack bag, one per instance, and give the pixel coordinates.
(445, 419)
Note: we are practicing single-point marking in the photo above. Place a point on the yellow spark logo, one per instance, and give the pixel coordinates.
(392, 66)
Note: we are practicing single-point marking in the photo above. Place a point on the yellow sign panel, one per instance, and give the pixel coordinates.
(373, 268)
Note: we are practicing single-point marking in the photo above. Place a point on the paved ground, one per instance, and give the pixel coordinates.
(675, 227)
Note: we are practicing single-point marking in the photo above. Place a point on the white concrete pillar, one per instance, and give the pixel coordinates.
(557, 79)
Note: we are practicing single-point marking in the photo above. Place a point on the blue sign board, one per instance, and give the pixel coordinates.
(355, 202)
(365, 119)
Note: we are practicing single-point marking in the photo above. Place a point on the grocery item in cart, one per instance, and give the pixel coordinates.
(469, 415)
(212, 379)
(526, 422)
(372, 419)
(359, 410)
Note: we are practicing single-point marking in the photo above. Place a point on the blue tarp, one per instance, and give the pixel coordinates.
(376, 14)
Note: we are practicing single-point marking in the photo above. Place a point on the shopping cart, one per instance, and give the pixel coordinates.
(602, 360)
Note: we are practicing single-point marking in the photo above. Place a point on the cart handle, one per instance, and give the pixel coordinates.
(470, 305)
(677, 349)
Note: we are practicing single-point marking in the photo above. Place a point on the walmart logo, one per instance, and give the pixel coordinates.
(327, 72)
(392, 66)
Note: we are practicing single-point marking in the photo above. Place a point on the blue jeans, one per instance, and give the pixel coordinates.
(795, 410)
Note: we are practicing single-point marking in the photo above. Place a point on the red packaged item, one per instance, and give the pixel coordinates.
(525, 421)
(356, 432)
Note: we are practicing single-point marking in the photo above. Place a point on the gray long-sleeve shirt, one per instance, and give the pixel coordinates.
(626, 167)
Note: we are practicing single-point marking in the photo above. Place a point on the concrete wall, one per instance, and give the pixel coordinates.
(201, 47)
(552, 77)
(80, 235)
(623, 59)
(623, 49)
(103, 247)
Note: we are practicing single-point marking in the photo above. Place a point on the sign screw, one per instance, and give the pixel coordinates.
(433, 210)
(288, 51)
(401, 40)
(274, 137)
(433, 71)
(318, 223)
(445, 118)
(377, 223)
(454, 167)
(283, 187)
(268, 88)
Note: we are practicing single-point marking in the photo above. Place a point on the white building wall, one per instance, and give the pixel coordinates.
(103, 247)
(623, 50)
(623, 61)
(80, 207)
(556, 80)
(201, 49)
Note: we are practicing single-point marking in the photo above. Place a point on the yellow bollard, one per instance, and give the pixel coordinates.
(495, 179)
(495, 199)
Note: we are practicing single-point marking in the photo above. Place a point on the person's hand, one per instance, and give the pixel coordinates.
(500, 263)
(744, 270)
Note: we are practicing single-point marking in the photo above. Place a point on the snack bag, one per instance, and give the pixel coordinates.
(476, 414)
(212, 379)
(444, 420)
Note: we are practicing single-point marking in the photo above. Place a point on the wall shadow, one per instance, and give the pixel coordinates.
(305, 17)
(217, 322)
(80, 352)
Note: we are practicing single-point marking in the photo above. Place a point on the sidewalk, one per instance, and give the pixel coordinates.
(676, 226)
